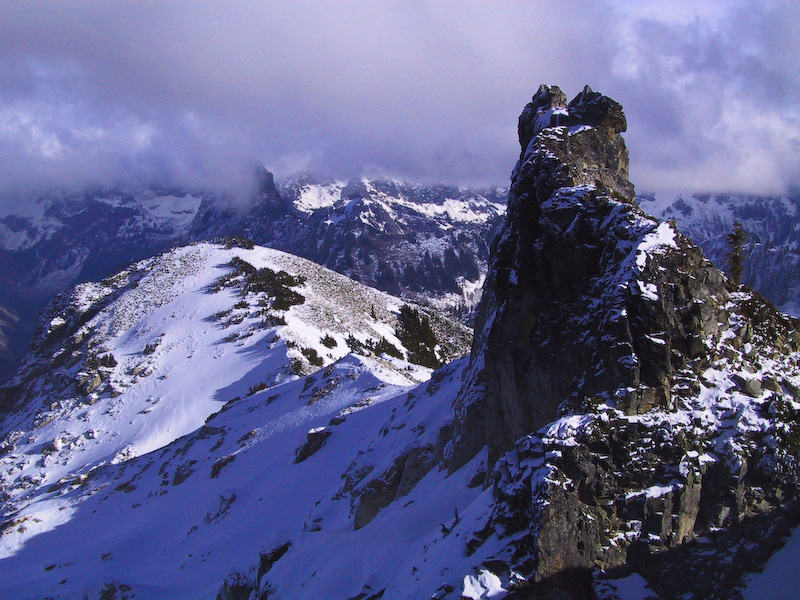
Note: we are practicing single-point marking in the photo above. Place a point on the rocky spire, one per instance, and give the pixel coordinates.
(596, 110)
(547, 108)
(584, 135)
(607, 354)
(571, 227)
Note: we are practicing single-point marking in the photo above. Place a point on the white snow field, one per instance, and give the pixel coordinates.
(172, 464)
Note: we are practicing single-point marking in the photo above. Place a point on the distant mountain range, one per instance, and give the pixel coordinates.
(424, 243)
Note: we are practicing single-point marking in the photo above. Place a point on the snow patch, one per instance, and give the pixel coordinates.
(661, 238)
(484, 585)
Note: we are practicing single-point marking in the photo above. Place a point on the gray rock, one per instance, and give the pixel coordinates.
(376, 494)
(574, 318)
(315, 439)
(547, 108)
(748, 385)
(597, 110)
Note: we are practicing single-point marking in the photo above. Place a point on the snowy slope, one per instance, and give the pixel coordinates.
(176, 523)
(130, 365)
(780, 577)
(169, 471)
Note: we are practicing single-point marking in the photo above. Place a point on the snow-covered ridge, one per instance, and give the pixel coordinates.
(127, 366)
(170, 403)
(474, 210)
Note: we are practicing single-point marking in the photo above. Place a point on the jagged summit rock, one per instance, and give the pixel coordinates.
(547, 108)
(583, 136)
(620, 376)
(595, 109)
(571, 238)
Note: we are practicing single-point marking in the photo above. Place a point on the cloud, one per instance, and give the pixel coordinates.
(190, 93)
(712, 97)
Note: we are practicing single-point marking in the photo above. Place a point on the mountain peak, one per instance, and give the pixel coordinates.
(267, 196)
(583, 135)
(547, 108)
(603, 334)
(596, 110)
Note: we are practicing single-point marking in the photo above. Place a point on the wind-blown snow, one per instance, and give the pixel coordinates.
(485, 585)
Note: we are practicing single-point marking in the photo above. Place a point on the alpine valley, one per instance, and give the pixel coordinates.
(221, 420)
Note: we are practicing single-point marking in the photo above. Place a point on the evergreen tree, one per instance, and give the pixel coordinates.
(417, 336)
(736, 239)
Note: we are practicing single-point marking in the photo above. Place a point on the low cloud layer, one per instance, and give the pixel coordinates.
(192, 93)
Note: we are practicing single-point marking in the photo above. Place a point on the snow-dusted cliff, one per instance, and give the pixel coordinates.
(772, 247)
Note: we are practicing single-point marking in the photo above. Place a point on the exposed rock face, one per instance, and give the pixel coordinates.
(568, 297)
(659, 391)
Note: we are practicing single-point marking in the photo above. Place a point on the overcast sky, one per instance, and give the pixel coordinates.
(192, 93)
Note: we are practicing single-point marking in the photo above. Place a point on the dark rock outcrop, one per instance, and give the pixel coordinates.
(566, 302)
(637, 401)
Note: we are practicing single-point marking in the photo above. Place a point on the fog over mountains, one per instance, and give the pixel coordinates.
(107, 95)
(295, 303)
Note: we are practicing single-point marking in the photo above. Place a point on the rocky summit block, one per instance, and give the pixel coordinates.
(639, 403)
(582, 134)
